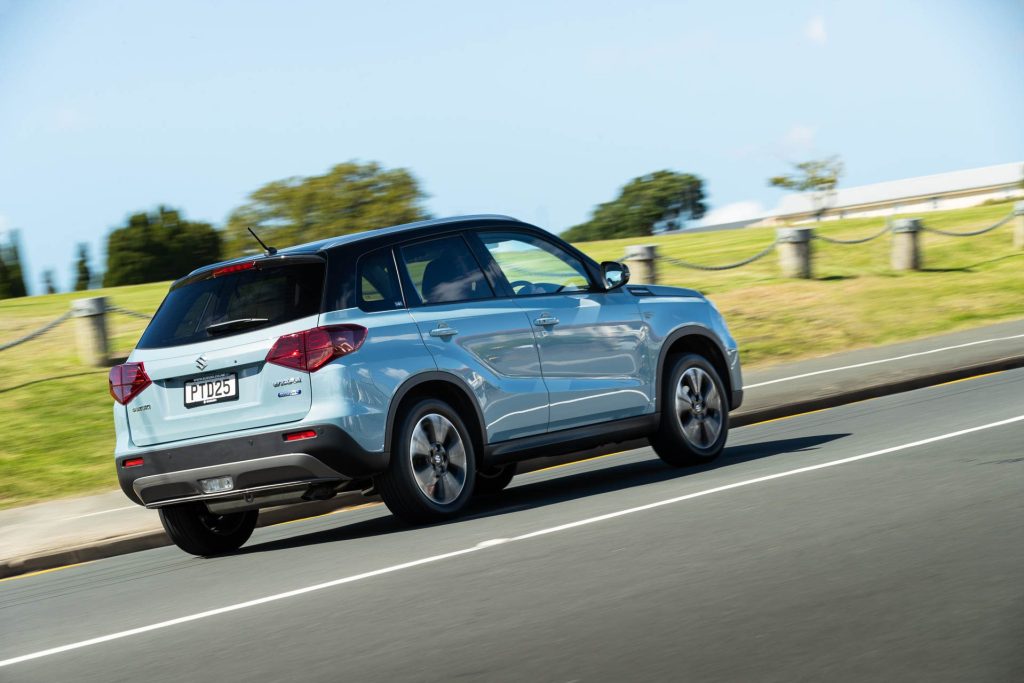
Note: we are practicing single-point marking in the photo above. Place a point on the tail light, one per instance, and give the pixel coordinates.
(127, 381)
(312, 349)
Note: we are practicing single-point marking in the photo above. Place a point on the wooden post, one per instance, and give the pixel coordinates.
(91, 330)
(1018, 225)
(642, 260)
(794, 247)
(906, 249)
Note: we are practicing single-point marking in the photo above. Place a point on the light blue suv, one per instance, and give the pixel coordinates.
(422, 361)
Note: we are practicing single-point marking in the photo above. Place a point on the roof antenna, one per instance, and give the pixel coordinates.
(270, 250)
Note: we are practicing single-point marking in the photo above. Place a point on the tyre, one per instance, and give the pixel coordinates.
(198, 531)
(433, 469)
(694, 413)
(492, 480)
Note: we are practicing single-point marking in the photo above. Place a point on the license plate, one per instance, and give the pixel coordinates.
(214, 389)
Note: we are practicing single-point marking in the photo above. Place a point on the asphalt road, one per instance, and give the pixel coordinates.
(829, 546)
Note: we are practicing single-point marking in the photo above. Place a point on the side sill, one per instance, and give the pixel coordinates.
(567, 441)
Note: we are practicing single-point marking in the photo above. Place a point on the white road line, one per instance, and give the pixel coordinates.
(882, 360)
(488, 544)
(103, 512)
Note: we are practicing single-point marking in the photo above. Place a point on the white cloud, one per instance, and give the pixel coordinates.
(814, 30)
(737, 211)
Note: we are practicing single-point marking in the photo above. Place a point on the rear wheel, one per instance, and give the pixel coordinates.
(198, 531)
(432, 469)
(492, 480)
(694, 413)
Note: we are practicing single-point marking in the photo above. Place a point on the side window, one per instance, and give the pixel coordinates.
(444, 270)
(535, 266)
(377, 282)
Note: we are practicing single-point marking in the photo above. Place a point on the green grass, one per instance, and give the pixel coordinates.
(58, 433)
(855, 299)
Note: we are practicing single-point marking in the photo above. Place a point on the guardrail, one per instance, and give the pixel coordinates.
(793, 246)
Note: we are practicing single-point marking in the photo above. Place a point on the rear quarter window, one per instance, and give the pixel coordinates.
(257, 298)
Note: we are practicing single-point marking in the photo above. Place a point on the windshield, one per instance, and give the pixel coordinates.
(235, 303)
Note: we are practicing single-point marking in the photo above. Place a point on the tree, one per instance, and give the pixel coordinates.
(817, 176)
(351, 197)
(12, 279)
(159, 246)
(83, 274)
(662, 196)
(48, 284)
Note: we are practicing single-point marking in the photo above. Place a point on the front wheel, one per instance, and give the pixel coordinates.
(694, 413)
(198, 531)
(433, 468)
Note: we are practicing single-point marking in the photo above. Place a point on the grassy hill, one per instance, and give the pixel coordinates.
(56, 412)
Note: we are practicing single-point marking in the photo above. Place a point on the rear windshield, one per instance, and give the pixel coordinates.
(235, 303)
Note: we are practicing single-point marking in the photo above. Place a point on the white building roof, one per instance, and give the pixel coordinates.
(894, 190)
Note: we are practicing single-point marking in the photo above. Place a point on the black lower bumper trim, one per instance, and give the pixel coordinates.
(332, 447)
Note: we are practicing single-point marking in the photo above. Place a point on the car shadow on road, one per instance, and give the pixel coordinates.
(557, 489)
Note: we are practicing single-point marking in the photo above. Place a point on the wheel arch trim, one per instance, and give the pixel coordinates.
(420, 379)
(693, 330)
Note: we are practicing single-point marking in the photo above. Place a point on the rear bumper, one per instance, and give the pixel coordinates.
(266, 469)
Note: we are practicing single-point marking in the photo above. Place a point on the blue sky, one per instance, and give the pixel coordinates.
(536, 109)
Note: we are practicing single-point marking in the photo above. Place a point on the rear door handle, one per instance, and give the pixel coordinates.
(546, 320)
(443, 331)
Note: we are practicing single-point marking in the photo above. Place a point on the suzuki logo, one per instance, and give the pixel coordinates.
(201, 362)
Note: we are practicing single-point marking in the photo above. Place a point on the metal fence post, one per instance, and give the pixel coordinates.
(906, 249)
(794, 245)
(91, 330)
(642, 260)
(1018, 225)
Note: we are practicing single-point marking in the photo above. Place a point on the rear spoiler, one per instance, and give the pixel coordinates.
(260, 262)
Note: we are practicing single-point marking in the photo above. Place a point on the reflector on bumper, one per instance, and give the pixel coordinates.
(216, 484)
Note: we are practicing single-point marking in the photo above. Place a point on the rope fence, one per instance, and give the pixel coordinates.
(729, 266)
(36, 333)
(947, 233)
(131, 314)
(793, 247)
(56, 322)
(863, 240)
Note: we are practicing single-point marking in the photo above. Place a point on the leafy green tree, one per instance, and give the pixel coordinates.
(83, 274)
(159, 246)
(12, 279)
(665, 197)
(48, 284)
(351, 197)
(820, 177)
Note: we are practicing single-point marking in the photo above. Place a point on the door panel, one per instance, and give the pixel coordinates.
(487, 342)
(491, 346)
(592, 343)
(593, 355)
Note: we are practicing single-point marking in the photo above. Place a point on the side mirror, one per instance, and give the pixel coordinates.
(615, 274)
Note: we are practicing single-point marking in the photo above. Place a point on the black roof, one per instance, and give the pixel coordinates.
(427, 226)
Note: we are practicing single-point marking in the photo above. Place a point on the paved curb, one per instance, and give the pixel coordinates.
(743, 418)
(154, 539)
(130, 543)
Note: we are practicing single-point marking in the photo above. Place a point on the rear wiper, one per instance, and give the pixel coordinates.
(231, 325)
